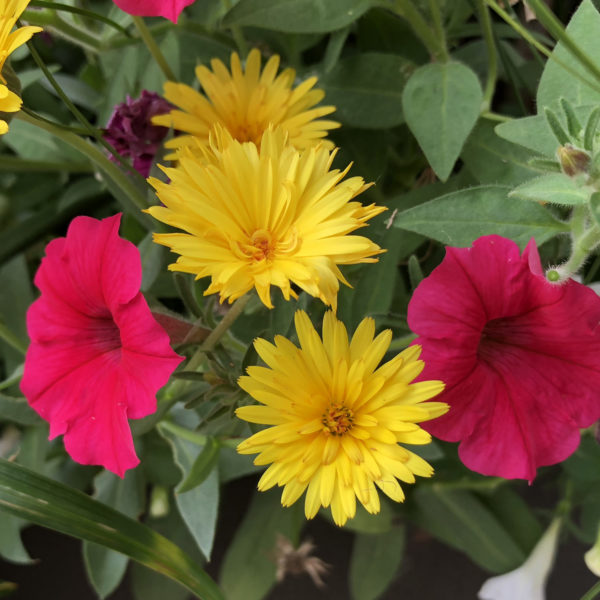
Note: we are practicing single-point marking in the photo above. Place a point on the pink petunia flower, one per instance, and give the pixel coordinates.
(97, 356)
(170, 9)
(520, 357)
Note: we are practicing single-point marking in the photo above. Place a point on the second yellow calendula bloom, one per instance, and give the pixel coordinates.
(337, 418)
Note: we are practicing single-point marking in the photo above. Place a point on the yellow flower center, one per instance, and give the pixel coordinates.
(337, 419)
(260, 246)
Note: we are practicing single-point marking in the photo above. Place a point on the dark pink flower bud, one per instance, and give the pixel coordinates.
(131, 132)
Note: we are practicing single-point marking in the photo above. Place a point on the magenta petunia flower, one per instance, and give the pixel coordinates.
(97, 356)
(170, 9)
(131, 132)
(520, 357)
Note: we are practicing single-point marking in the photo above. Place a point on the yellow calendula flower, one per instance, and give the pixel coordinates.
(246, 102)
(337, 417)
(10, 11)
(257, 217)
(9, 102)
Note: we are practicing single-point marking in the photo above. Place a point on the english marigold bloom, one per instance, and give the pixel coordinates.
(337, 417)
(97, 356)
(9, 102)
(131, 132)
(10, 11)
(520, 356)
(257, 217)
(246, 102)
(170, 9)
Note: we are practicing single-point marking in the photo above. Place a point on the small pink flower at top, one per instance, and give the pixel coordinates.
(520, 357)
(97, 356)
(170, 9)
(131, 132)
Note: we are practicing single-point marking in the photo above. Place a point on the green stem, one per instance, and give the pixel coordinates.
(11, 339)
(492, 116)
(92, 131)
(578, 219)
(153, 48)
(218, 332)
(592, 593)
(549, 20)
(540, 47)
(79, 11)
(438, 28)
(407, 10)
(490, 43)
(131, 199)
(49, 19)
(75, 130)
(582, 247)
(176, 389)
(237, 33)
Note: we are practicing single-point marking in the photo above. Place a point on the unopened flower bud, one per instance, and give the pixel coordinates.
(573, 161)
(131, 132)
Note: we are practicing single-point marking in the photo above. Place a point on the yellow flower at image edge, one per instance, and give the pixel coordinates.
(10, 11)
(337, 417)
(262, 217)
(9, 102)
(246, 102)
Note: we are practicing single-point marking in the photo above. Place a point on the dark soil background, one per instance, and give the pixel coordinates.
(430, 570)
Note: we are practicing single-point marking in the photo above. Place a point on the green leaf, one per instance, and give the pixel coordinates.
(516, 517)
(199, 506)
(15, 298)
(530, 132)
(233, 465)
(105, 568)
(202, 467)
(556, 188)
(11, 546)
(556, 82)
(584, 464)
(492, 159)
(457, 219)
(373, 289)
(461, 520)
(298, 16)
(17, 410)
(535, 132)
(152, 256)
(45, 502)
(248, 570)
(441, 104)
(374, 563)
(148, 585)
(366, 89)
(380, 31)
(364, 522)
